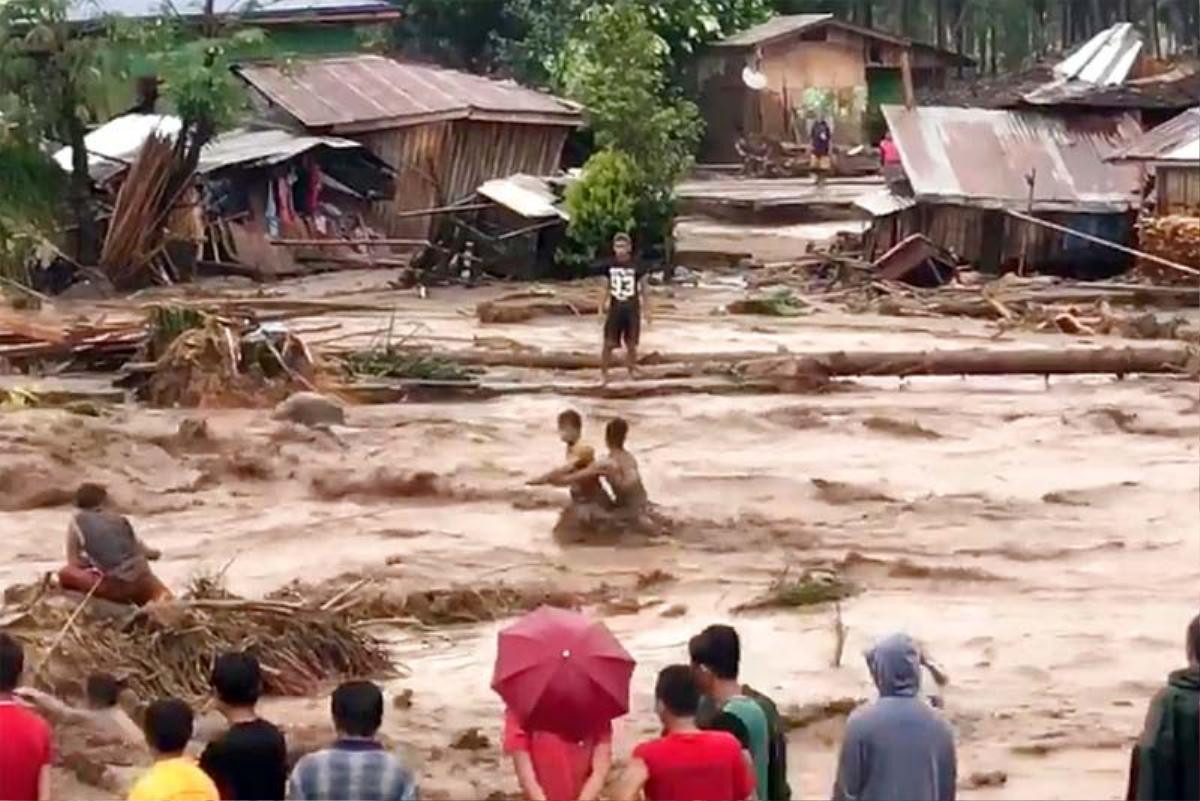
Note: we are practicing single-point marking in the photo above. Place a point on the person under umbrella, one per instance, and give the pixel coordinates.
(563, 679)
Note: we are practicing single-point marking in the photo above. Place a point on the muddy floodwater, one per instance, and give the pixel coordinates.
(1040, 538)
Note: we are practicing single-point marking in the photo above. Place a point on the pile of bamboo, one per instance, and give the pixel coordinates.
(135, 233)
(168, 649)
(27, 336)
(1176, 238)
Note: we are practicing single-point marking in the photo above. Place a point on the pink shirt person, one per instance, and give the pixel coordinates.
(550, 766)
(888, 151)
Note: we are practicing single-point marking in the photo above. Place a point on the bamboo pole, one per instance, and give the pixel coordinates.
(1106, 243)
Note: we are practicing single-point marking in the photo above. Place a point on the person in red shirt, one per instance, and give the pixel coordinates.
(26, 745)
(552, 768)
(685, 764)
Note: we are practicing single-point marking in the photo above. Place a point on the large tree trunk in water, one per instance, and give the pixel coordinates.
(982, 361)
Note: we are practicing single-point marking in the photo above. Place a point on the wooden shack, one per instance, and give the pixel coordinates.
(444, 132)
(813, 65)
(1171, 153)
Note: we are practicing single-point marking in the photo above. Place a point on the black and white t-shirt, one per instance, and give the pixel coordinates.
(624, 281)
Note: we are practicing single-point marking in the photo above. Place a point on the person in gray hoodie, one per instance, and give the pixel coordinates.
(896, 748)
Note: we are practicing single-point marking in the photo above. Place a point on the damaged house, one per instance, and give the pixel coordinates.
(967, 171)
(775, 78)
(444, 132)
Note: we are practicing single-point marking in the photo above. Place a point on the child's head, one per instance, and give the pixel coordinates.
(103, 691)
(570, 426)
(168, 726)
(90, 496)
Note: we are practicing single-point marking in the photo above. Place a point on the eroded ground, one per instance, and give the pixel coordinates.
(1044, 545)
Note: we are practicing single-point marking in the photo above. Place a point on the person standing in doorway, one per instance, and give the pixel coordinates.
(821, 139)
(624, 307)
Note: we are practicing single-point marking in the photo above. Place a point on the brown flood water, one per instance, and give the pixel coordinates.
(1082, 536)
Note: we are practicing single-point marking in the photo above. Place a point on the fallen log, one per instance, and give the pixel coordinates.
(979, 361)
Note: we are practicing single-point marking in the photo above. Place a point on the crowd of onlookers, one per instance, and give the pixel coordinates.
(721, 740)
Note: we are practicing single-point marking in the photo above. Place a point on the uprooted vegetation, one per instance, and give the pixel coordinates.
(813, 588)
(406, 363)
(370, 605)
(167, 649)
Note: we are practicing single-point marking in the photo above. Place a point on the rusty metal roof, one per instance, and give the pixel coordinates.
(1176, 141)
(353, 94)
(260, 148)
(981, 157)
(774, 28)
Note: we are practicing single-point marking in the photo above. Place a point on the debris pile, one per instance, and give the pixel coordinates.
(167, 649)
(813, 588)
(1175, 238)
(98, 342)
(212, 360)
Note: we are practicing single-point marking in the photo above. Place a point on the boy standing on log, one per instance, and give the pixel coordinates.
(624, 312)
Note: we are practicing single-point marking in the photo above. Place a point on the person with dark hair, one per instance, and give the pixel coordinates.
(102, 716)
(104, 555)
(248, 761)
(619, 469)
(623, 307)
(356, 765)
(685, 763)
(897, 747)
(729, 706)
(579, 456)
(1166, 761)
(26, 742)
(174, 777)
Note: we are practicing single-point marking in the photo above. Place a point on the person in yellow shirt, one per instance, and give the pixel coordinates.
(579, 456)
(174, 777)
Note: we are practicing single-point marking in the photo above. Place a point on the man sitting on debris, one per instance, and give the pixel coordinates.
(105, 557)
(579, 456)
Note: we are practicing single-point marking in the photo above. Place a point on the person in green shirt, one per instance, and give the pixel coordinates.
(715, 655)
(1166, 759)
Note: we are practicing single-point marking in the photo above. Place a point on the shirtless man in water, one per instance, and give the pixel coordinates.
(619, 470)
(579, 456)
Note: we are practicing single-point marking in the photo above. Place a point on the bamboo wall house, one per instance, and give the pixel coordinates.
(814, 64)
(444, 132)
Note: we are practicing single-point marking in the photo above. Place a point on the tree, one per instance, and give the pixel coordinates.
(534, 38)
(618, 70)
(46, 67)
(52, 69)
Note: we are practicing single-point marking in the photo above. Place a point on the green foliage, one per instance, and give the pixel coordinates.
(458, 33)
(392, 362)
(532, 41)
(33, 191)
(648, 134)
(602, 203)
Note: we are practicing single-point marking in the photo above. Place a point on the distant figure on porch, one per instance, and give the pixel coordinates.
(821, 139)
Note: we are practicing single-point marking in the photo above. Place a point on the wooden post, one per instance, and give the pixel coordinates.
(1030, 179)
(910, 97)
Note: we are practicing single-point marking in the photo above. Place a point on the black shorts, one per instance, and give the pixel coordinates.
(623, 326)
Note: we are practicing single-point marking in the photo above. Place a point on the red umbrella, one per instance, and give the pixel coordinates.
(560, 672)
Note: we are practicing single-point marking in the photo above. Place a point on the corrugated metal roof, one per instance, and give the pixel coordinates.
(117, 142)
(980, 157)
(1106, 59)
(1177, 140)
(260, 10)
(883, 203)
(527, 195)
(264, 147)
(782, 25)
(365, 93)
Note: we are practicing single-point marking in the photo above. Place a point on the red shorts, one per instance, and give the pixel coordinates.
(145, 589)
